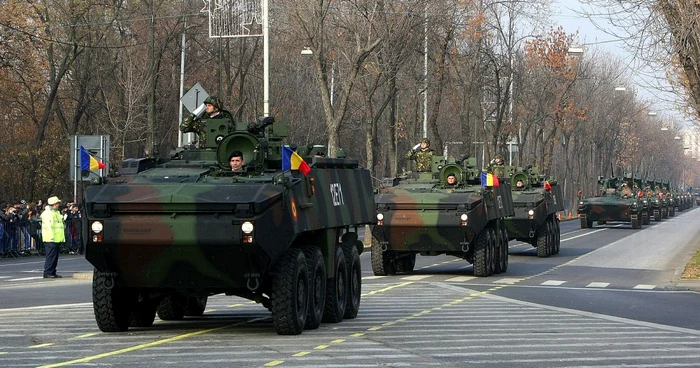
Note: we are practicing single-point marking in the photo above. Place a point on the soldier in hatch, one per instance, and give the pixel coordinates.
(451, 181)
(496, 166)
(423, 155)
(213, 110)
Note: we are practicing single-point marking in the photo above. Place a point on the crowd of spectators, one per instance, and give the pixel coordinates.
(20, 228)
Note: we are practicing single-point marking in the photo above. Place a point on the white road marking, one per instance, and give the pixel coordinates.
(507, 280)
(644, 287)
(598, 285)
(553, 283)
(460, 279)
(373, 277)
(27, 278)
(416, 277)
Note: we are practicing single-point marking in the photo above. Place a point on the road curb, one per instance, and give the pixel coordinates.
(83, 275)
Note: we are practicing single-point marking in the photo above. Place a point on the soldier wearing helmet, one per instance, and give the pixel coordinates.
(422, 154)
(213, 110)
(496, 166)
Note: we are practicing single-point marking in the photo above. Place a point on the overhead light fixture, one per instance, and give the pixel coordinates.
(307, 51)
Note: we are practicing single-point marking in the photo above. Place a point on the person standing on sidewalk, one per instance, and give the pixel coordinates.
(53, 234)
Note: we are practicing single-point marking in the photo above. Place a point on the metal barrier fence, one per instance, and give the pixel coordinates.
(21, 238)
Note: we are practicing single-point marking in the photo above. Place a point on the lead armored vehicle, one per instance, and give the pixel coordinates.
(167, 234)
(615, 202)
(420, 213)
(537, 202)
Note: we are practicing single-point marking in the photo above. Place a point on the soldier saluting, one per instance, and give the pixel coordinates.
(422, 154)
(213, 110)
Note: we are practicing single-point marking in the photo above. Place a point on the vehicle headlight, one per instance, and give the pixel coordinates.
(96, 227)
(464, 217)
(247, 227)
(580, 203)
(380, 216)
(531, 212)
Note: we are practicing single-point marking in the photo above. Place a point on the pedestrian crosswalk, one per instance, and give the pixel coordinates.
(516, 281)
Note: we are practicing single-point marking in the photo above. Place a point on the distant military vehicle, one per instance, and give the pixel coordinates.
(420, 213)
(615, 202)
(167, 234)
(537, 202)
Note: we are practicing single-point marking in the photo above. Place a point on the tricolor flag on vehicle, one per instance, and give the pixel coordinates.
(489, 180)
(292, 161)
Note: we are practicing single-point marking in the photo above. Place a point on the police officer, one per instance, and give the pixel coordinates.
(213, 110)
(53, 234)
(422, 154)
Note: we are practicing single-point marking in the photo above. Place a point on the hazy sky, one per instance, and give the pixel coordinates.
(591, 36)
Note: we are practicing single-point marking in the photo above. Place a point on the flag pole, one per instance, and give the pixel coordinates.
(76, 151)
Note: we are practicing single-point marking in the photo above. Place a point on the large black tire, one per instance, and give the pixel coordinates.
(481, 254)
(354, 281)
(542, 239)
(585, 222)
(196, 305)
(504, 250)
(382, 264)
(172, 307)
(407, 263)
(664, 213)
(317, 286)
(657, 215)
(636, 223)
(143, 313)
(112, 304)
(336, 290)
(645, 218)
(557, 235)
(290, 293)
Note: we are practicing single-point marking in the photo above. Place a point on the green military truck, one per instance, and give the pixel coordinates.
(421, 213)
(167, 234)
(537, 202)
(615, 201)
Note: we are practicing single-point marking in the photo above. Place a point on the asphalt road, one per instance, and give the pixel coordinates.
(610, 298)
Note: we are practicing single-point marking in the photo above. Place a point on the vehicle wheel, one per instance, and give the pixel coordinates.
(657, 215)
(172, 308)
(382, 263)
(143, 314)
(552, 237)
(635, 223)
(504, 250)
(491, 254)
(480, 254)
(336, 290)
(196, 305)
(645, 218)
(354, 280)
(317, 286)
(407, 263)
(497, 249)
(542, 237)
(602, 222)
(290, 293)
(557, 235)
(112, 304)
(664, 213)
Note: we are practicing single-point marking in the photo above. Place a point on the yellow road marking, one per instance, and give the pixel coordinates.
(374, 329)
(86, 335)
(3, 352)
(142, 346)
(358, 334)
(388, 288)
(301, 353)
(320, 347)
(235, 305)
(273, 363)
(338, 341)
(41, 345)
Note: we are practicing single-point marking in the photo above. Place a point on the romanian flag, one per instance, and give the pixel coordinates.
(292, 161)
(547, 186)
(88, 162)
(489, 180)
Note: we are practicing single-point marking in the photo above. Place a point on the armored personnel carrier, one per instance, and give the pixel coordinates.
(536, 201)
(615, 202)
(166, 234)
(420, 213)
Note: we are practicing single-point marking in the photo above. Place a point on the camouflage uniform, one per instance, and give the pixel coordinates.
(192, 124)
(423, 158)
(496, 166)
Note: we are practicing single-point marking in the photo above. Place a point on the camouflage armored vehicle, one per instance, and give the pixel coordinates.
(536, 202)
(615, 202)
(654, 201)
(664, 204)
(167, 234)
(639, 190)
(420, 213)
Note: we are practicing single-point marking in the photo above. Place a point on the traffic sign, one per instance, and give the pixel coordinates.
(194, 97)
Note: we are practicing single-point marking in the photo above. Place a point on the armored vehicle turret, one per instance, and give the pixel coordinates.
(280, 230)
(537, 202)
(615, 201)
(422, 213)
